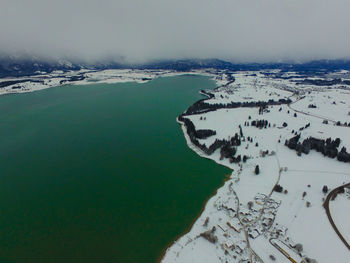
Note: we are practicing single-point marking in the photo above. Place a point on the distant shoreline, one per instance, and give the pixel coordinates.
(201, 154)
(26, 84)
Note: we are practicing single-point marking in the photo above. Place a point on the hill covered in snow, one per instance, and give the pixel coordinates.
(27, 64)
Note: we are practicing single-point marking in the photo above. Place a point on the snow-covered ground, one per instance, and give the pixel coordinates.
(83, 77)
(245, 220)
(340, 208)
(248, 86)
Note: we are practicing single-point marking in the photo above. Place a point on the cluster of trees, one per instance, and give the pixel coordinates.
(327, 147)
(191, 130)
(343, 124)
(343, 156)
(201, 106)
(203, 134)
(260, 124)
(324, 82)
(236, 140)
(77, 78)
(227, 147)
(11, 82)
(262, 109)
(278, 188)
(228, 151)
(305, 127)
(338, 123)
(192, 133)
(194, 136)
(216, 145)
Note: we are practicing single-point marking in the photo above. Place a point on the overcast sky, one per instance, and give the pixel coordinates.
(140, 30)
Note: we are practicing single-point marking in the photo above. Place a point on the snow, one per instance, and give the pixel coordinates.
(330, 103)
(247, 88)
(340, 208)
(85, 77)
(309, 225)
(285, 216)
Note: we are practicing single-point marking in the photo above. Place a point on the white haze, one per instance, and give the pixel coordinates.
(142, 30)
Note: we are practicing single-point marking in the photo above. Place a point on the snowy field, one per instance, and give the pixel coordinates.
(246, 221)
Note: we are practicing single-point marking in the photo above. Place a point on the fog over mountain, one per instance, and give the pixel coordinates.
(139, 30)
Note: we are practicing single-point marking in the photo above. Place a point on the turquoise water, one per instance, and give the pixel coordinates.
(99, 173)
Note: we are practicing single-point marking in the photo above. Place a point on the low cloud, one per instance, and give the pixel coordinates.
(142, 30)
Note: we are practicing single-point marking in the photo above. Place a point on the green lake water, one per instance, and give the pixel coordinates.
(99, 173)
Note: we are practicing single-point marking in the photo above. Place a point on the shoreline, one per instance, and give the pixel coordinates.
(168, 83)
(211, 76)
(226, 178)
(266, 212)
(45, 81)
(188, 229)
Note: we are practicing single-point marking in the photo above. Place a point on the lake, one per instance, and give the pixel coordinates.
(100, 173)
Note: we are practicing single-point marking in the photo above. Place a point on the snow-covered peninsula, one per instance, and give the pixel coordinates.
(285, 136)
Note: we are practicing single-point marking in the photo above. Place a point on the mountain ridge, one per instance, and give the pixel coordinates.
(21, 66)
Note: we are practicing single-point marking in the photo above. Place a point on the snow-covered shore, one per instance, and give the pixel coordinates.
(44, 80)
(247, 219)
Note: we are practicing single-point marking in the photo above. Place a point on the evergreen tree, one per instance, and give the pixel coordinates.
(257, 170)
(325, 189)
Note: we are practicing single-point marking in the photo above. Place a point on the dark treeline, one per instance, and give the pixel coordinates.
(73, 78)
(76, 78)
(327, 147)
(303, 128)
(203, 134)
(193, 134)
(227, 147)
(12, 82)
(202, 107)
(345, 124)
(324, 82)
(260, 124)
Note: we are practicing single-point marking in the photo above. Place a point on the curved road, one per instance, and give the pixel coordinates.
(326, 206)
(334, 191)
